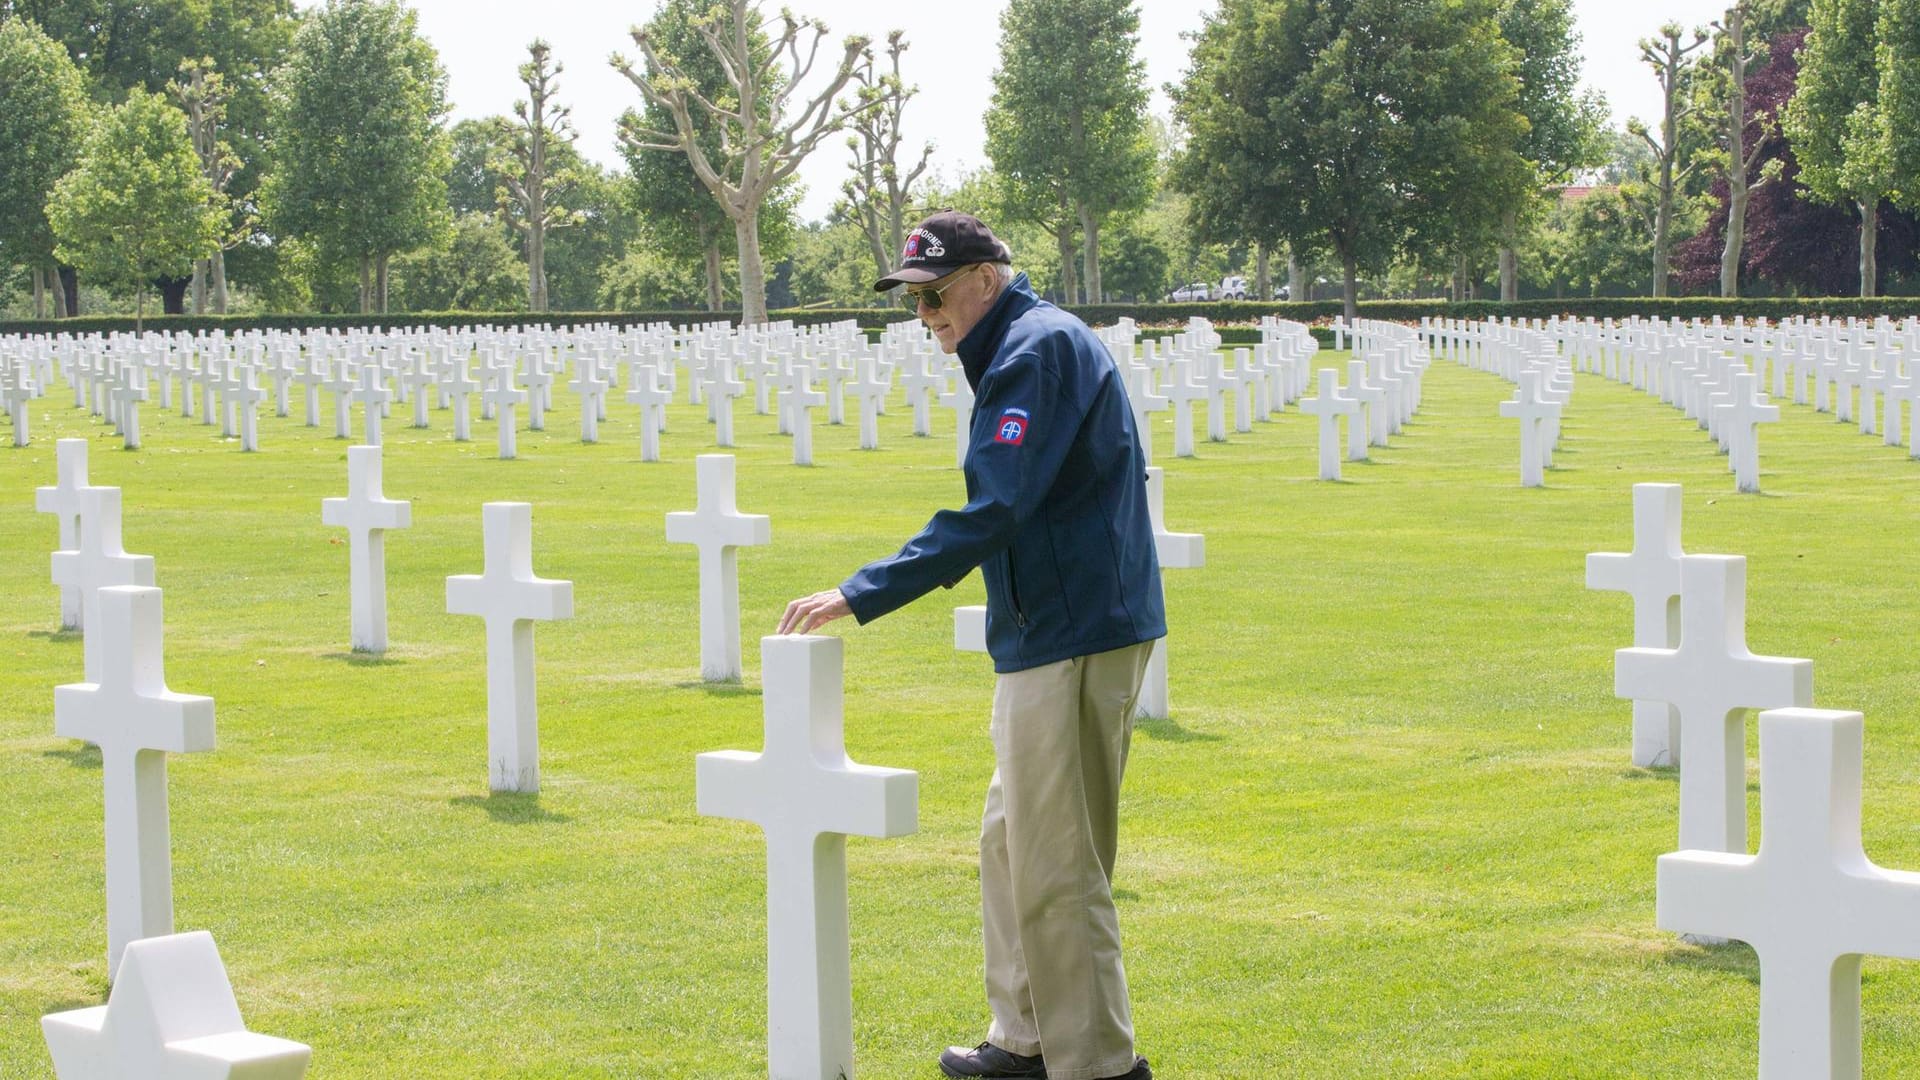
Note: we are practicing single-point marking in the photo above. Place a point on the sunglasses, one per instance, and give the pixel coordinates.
(913, 298)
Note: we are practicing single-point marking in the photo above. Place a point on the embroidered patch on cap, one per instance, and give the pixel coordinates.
(1013, 427)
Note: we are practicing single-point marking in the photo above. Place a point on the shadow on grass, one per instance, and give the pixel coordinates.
(513, 808)
(1733, 958)
(1171, 731)
(84, 756)
(1125, 894)
(56, 637)
(720, 689)
(362, 659)
(1668, 773)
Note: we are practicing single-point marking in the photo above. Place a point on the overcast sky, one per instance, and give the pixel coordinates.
(953, 54)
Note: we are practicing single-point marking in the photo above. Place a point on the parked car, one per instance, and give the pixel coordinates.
(1196, 291)
(1233, 288)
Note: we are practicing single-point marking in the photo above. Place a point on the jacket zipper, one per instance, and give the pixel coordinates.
(1013, 594)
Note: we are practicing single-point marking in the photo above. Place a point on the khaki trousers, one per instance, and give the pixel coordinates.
(1054, 978)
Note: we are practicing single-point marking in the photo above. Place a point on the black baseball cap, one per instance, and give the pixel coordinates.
(941, 244)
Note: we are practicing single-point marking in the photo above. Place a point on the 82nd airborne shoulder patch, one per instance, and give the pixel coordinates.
(1012, 428)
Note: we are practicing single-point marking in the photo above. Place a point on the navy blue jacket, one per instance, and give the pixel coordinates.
(1056, 514)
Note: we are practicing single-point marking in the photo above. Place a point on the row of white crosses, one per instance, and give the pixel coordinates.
(1810, 902)
(1719, 374)
(1381, 395)
(1530, 359)
(171, 1012)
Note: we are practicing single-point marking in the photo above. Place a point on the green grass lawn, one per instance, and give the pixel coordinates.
(1392, 829)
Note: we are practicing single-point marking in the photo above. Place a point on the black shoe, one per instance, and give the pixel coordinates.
(1141, 1071)
(988, 1060)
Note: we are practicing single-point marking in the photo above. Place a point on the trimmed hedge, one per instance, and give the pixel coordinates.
(1152, 317)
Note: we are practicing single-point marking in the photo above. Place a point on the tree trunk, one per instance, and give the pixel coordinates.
(39, 293)
(1737, 197)
(1509, 257)
(67, 291)
(753, 273)
(715, 298)
(1298, 290)
(1869, 245)
(199, 287)
(366, 284)
(220, 282)
(1737, 191)
(1064, 238)
(380, 279)
(537, 266)
(1090, 227)
(1662, 225)
(1262, 272)
(140, 308)
(173, 295)
(1350, 285)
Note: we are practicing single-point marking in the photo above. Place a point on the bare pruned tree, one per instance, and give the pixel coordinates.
(1673, 64)
(1746, 140)
(878, 193)
(533, 186)
(202, 94)
(765, 131)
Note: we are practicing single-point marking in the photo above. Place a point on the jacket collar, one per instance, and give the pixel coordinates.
(977, 349)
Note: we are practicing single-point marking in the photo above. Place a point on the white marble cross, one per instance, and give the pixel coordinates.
(128, 712)
(970, 628)
(460, 386)
(509, 597)
(373, 395)
(62, 500)
(1330, 406)
(799, 402)
(717, 527)
(502, 396)
(1811, 903)
(808, 796)
(366, 513)
(592, 389)
(1651, 575)
(1534, 412)
(960, 399)
(871, 388)
(653, 399)
(1710, 677)
(1743, 417)
(170, 1016)
(1175, 551)
(99, 561)
(1183, 390)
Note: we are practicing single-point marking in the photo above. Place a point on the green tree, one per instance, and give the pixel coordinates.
(136, 207)
(1224, 104)
(43, 118)
(1394, 122)
(202, 93)
(608, 227)
(361, 157)
(535, 182)
(473, 145)
(1068, 124)
(1564, 123)
(476, 270)
(763, 136)
(1835, 123)
(1899, 59)
(646, 280)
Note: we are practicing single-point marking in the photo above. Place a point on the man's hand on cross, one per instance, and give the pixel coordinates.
(810, 611)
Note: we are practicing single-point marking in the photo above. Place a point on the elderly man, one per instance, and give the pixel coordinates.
(1056, 520)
